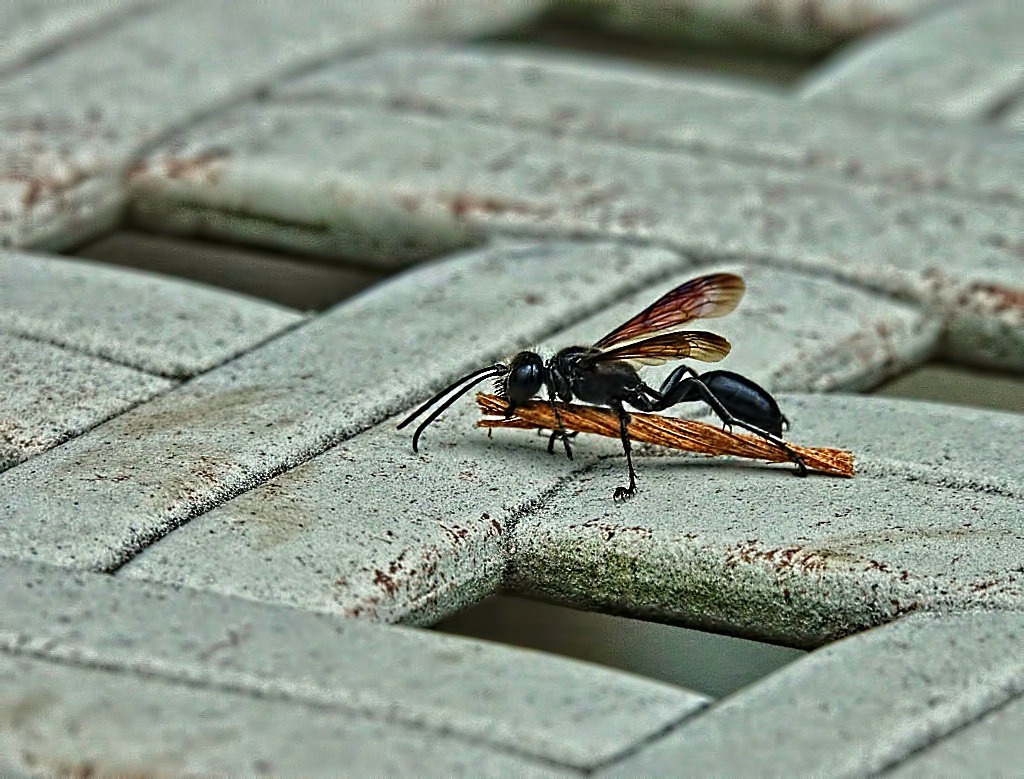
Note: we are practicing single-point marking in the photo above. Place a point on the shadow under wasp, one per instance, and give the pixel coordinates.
(605, 373)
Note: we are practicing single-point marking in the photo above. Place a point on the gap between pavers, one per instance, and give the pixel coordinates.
(789, 27)
(472, 695)
(856, 707)
(140, 475)
(150, 322)
(424, 536)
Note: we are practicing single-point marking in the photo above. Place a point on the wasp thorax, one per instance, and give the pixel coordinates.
(525, 377)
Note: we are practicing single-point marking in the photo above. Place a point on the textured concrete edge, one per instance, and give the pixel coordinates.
(99, 723)
(51, 396)
(969, 335)
(992, 739)
(949, 734)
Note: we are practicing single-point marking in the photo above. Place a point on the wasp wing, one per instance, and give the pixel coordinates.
(702, 298)
(693, 344)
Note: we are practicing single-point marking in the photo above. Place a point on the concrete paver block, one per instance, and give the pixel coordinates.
(856, 707)
(514, 180)
(279, 477)
(910, 70)
(367, 529)
(81, 114)
(931, 521)
(485, 697)
(994, 741)
(50, 395)
(649, 107)
(157, 324)
(236, 426)
(1014, 116)
(958, 256)
(428, 534)
(31, 29)
(73, 721)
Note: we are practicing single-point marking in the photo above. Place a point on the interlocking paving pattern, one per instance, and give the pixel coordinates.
(210, 528)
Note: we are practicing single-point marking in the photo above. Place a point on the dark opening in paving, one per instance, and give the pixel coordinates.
(958, 385)
(300, 282)
(712, 664)
(572, 30)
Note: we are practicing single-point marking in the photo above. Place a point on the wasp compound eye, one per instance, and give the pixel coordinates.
(525, 377)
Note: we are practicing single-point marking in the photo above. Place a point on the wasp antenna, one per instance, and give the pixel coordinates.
(468, 377)
(478, 376)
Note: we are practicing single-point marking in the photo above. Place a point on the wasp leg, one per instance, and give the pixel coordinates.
(624, 493)
(560, 432)
(677, 389)
(694, 383)
(555, 435)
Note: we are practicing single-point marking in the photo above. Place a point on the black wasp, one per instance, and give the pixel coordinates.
(605, 374)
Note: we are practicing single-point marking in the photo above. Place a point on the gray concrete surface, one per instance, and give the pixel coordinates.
(993, 740)
(431, 558)
(208, 520)
(798, 561)
(152, 323)
(644, 107)
(51, 395)
(234, 427)
(910, 70)
(107, 84)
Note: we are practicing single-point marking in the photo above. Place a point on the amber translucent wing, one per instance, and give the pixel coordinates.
(702, 298)
(693, 344)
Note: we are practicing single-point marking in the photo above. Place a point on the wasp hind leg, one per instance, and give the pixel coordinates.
(729, 420)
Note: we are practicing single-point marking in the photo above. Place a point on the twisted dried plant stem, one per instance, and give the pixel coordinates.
(684, 434)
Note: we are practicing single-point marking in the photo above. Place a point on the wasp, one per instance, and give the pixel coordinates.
(606, 373)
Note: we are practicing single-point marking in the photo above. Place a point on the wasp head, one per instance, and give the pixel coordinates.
(524, 378)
